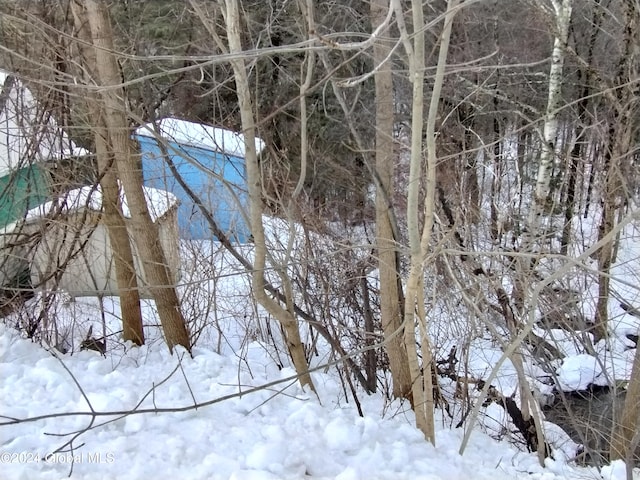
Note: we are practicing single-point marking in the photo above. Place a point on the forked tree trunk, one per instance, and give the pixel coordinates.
(144, 231)
(414, 310)
(254, 184)
(126, 279)
(415, 53)
(387, 244)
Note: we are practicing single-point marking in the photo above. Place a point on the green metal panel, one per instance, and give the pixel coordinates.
(22, 190)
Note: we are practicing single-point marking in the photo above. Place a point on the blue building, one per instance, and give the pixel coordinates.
(210, 162)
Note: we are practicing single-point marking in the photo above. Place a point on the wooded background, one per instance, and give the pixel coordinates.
(443, 159)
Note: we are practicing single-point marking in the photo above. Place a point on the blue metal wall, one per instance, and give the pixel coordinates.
(217, 178)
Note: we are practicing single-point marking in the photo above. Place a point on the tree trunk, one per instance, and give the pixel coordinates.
(626, 428)
(415, 53)
(578, 156)
(144, 230)
(254, 184)
(126, 279)
(618, 156)
(562, 14)
(550, 130)
(387, 244)
(414, 310)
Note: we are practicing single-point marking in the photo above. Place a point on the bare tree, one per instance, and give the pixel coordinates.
(391, 294)
(143, 230)
(414, 309)
(254, 181)
(562, 16)
(623, 131)
(114, 221)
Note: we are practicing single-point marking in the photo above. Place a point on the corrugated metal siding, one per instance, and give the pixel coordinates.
(217, 179)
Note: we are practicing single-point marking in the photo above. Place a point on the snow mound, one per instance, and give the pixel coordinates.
(579, 371)
(280, 432)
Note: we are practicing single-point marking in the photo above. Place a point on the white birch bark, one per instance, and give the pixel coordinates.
(562, 13)
(562, 10)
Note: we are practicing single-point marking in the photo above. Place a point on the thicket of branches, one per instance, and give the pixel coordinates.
(436, 171)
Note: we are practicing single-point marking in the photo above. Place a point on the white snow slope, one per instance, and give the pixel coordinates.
(280, 432)
(132, 414)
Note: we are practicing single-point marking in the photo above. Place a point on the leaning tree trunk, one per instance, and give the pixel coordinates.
(254, 184)
(144, 230)
(126, 279)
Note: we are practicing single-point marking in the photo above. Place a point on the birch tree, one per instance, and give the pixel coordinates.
(561, 15)
(562, 19)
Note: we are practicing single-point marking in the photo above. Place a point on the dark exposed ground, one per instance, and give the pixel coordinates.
(588, 418)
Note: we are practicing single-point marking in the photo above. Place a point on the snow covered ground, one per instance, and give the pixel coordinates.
(276, 432)
(229, 412)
